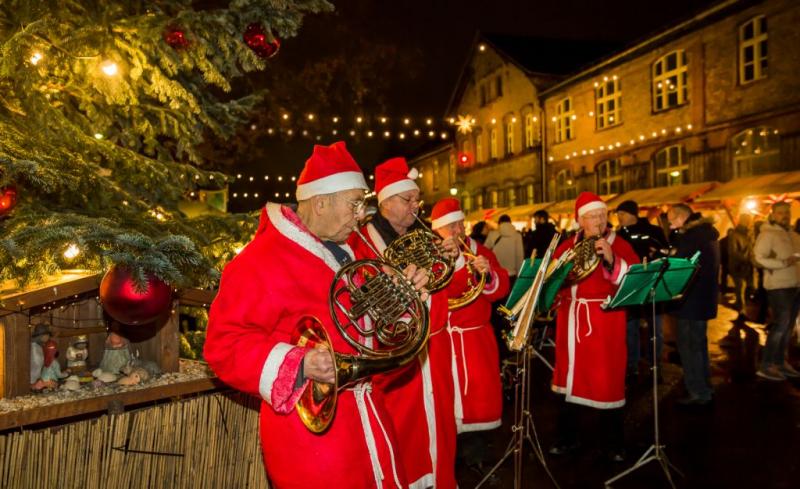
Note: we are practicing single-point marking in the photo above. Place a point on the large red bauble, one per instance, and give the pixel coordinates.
(123, 302)
(8, 199)
(265, 46)
(176, 37)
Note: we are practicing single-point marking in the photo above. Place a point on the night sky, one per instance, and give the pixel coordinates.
(434, 38)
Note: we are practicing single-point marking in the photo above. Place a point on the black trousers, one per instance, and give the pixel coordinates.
(610, 426)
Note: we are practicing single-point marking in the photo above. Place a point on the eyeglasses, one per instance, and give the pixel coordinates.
(410, 201)
(357, 205)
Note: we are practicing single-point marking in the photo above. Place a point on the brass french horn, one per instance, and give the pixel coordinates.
(380, 314)
(476, 281)
(582, 256)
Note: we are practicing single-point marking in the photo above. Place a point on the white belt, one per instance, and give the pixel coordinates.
(461, 331)
(585, 303)
(363, 395)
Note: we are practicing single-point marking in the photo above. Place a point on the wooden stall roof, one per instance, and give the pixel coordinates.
(524, 212)
(485, 214)
(568, 206)
(786, 183)
(70, 282)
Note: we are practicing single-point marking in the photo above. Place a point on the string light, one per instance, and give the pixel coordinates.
(386, 134)
(251, 179)
(335, 120)
(287, 195)
(270, 131)
(444, 135)
(383, 120)
(280, 178)
(35, 58)
(294, 178)
(266, 177)
(352, 133)
(72, 251)
(369, 134)
(429, 121)
(110, 68)
(359, 119)
(98, 135)
(401, 135)
(285, 117)
(239, 176)
(311, 117)
(406, 121)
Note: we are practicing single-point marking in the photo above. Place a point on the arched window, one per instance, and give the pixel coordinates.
(565, 185)
(609, 177)
(529, 138)
(671, 166)
(755, 151)
(510, 137)
(670, 81)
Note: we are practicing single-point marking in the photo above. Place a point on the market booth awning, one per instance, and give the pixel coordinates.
(658, 196)
(485, 214)
(568, 206)
(776, 185)
(524, 212)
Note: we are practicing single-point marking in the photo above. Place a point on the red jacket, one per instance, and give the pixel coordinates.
(476, 363)
(590, 342)
(282, 276)
(420, 397)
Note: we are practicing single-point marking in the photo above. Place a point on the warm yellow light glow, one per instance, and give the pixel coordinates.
(452, 120)
(386, 134)
(429, 121)
(287, 194)
(591, 113)
(238, 175)
(675, 173)
(255, 195)
(294, 179)
(98, 135)
(110, 68)
(238, 249)
(689, 128)
(401, 135)
(453, 191)
(285, 117)
(266, 177)
(280, 178)
(72, 251)
(277, 195)
(36, 57)
(482, 47)
(513, 120)
(352, 133)
(270, 131)
(551, 158)
(444, 135)
(245, 195)
(369, 134)
(554, 118)
(334, 132)
(416, 132)
(290, 132)
(406, 121)
(383, 120)
(574, 117)
(494, 121)
(359, 119)
(335, 120)
(311, 117)
(251, 179)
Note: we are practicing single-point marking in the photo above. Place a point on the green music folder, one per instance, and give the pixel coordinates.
(525, 277)
(636, 284)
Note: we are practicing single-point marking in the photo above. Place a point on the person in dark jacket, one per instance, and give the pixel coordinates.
(541, 236)
(723, 261)
(647, 241)
(693, 233)
(740, 261)
(479, 232)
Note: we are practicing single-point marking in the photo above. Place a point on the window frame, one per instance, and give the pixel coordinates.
(563, 129)
(529, 139)
(509, 130)
(747, 137)
(493, 143)
(566, 187)
(604, 116)
(661, 74)
(758, 43)
(606, 179)
(682, 166)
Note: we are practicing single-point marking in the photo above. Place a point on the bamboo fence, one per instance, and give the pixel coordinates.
(210, 441)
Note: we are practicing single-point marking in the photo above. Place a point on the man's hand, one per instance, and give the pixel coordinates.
(481, 264)
(450, 245)
(318, 365)
(604, 249)
(419, 278)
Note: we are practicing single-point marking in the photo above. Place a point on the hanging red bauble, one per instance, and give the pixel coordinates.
(176, 37)
(263, 44)
(8, 199)
(123, 302)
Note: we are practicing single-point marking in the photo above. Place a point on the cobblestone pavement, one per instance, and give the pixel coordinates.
(748, 438)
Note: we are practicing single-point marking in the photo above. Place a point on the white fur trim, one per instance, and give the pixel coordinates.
(489, 425)
(395, 188)
(590, 206)
(623, 269)
(269, 372)
(413, 174)
(588, 402)
(302, 237)
(346, 180)
(423, 482)
(430, 407)
(495, 283)
(572, 322)
(448, 218)
(460, 262)
(375, 237)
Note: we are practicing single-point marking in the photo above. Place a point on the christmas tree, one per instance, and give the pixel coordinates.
(103, 106)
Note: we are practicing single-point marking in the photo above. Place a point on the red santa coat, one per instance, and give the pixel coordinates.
(420, 397)
(476, 363)
(590, 342)
(283, 275)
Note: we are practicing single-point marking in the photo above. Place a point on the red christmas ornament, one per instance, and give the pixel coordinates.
(263, 44)
(123, 302)
(176, 37)
(8, 199)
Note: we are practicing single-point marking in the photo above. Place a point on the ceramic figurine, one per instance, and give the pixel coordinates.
(77, 354)
(52, 369)
(116, 355)
(40, 336)
(136, 376)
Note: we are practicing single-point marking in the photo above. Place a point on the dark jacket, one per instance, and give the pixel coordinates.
(700, 297)
(540, 239)
(647, 240)
(740, 253)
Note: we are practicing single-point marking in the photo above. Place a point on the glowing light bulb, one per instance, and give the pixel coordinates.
(453, 191)
(72, 251)
(98, 135)
(429, 121)
(750, 204)
(280, 178)
(311, 117)
(36, 57)
(251, 179)
(406, 121)
(444, 135)
(285, 117)
(482, 48)
(359, 119)
(110, 68)
(335, 120)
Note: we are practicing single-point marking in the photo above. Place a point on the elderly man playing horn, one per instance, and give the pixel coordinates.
(476, 372)
(590, 341)
(281, 279)
(420, 398)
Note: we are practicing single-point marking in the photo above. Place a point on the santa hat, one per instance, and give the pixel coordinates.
(445, 212)
(393, 177)
(586, 202)
(330, 169)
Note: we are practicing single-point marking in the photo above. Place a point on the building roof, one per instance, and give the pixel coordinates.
(785, 184)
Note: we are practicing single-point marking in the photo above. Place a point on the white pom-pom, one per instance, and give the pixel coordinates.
(413, 173)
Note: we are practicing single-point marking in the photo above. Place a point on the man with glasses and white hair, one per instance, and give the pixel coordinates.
(282, 277)
(420, 398)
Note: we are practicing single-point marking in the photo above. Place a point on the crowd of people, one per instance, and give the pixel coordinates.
(406, 426)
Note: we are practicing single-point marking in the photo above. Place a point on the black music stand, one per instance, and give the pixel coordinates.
(661, 280)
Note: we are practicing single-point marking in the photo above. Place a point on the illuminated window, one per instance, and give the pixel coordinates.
(493, 198)
(756, 151)
(670, 81)
(529, 193)
(512, 196)
(608, 99)
(479, 148)
(671, 167)
(753, 50)
(493, 144)
(609, 177)
(509, 137)
(565, 185)
(564, 115)
(529, 130)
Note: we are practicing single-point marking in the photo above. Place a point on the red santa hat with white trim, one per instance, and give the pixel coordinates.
(330, 169)
(586, 202)
(446, 211)
(393, 177)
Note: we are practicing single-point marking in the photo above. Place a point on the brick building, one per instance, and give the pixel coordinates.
(705, 111)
